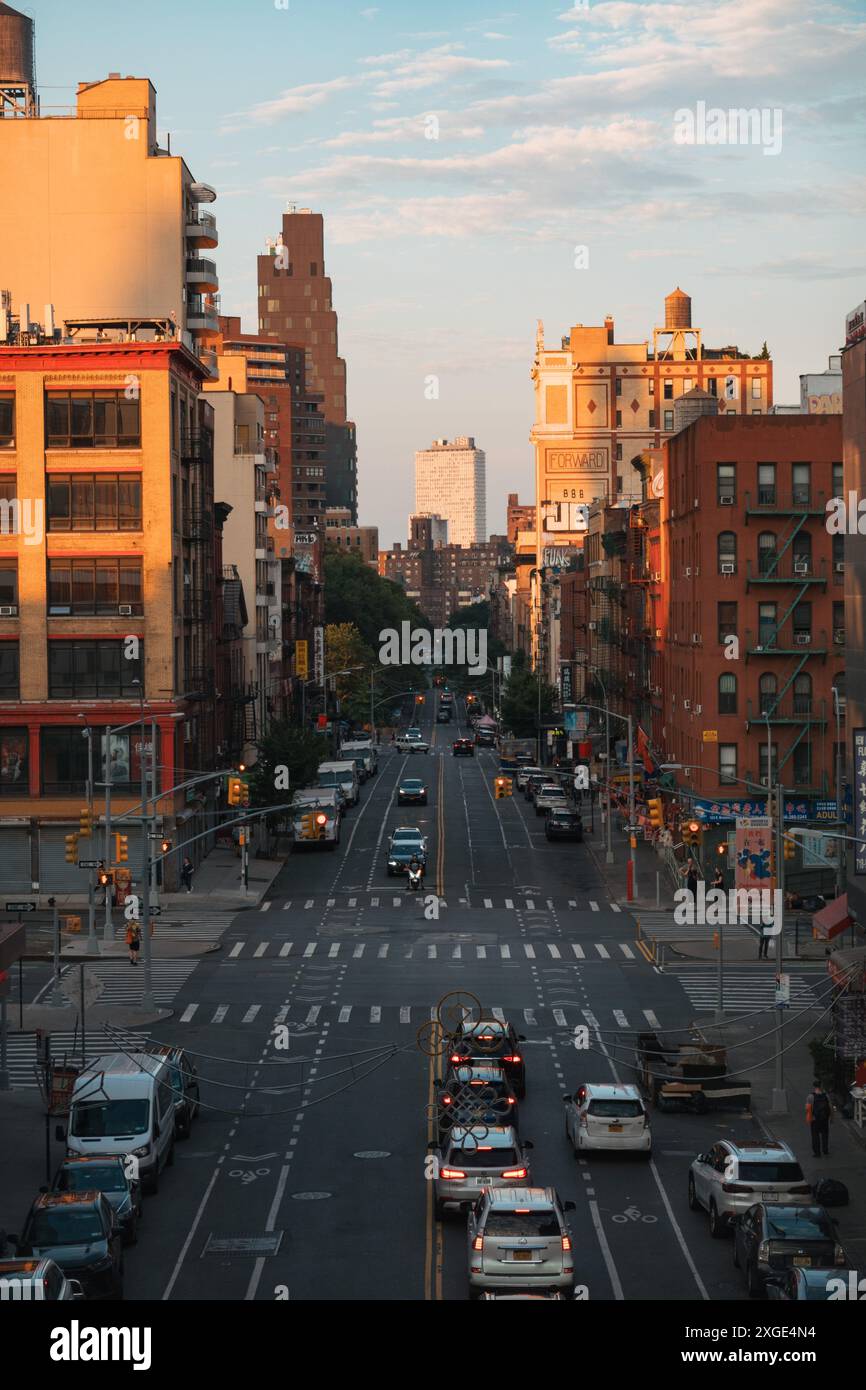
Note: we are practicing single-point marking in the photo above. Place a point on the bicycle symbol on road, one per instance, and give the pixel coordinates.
(247, 1175)
(632, 1214)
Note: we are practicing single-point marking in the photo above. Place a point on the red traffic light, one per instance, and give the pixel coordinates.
(321, 819)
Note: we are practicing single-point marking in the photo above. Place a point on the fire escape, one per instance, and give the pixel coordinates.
(198, 580)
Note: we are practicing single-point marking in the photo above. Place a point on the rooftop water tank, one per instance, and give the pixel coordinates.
(16, 49)
(678, 310)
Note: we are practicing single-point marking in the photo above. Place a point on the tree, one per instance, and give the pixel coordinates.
(764, 354)
(286, 754)
(520, 702)
(345, 649)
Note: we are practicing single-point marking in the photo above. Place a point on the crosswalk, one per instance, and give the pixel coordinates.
(21, 1051)
(124, 984)
(662, 926)
(748, 990)
(429, 951)
(301, 1017)
(385, 899)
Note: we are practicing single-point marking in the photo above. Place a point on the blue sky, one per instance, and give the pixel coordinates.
(555, 130)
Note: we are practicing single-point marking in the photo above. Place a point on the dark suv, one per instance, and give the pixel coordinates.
(184, 1080)
(79, 1231)
(489, 1040)
(477, 1093)
(463, 748)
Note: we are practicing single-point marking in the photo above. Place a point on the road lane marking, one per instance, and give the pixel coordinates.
(310, 949)
(481, 952)
(191, 1235)
(530, 950)
(308, 904)
(488, 902)
(396, 901)
(620, 1018)
(605, 1252)
(330, 902)
(405, 1013)
(251, 1013)
(359, 951)
(651, 1018)
(627, 951)
(220, 1013)
(497, 1013)
(188, 1013)
(615, 907)
(559, 1017)
(374, 902)
(236, 949)
(457, 953)
(334, 949)
(572, 902)
(260, 950)
(345, 1013)
(286, 948)
(313, 1014)
(265, 906)
(529, 1017)
(431, 952)
(505, 952)
(530, 904)
(554, 951)
(602, 950)
(687, 1254)
(353, 902)
(578, 951)
(270, 1225)
(594, 906)
(509, 902)
(550, 903)
(383, 950)
(375, 1014)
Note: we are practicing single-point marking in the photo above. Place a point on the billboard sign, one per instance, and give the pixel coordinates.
(855, 325)
(753, 847)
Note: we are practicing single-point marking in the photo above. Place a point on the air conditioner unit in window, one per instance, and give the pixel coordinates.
(592, 626)
(688, 571)
(9, 611)
(125, 610)
(726, 499)
(839, 636)
(658, 632)
(728, 567)
(687, 704)
(696, 637)
(698, 709)
(803, 638)
(801, 567)
(839, 567)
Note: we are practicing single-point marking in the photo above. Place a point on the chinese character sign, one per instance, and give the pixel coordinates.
(860, 801)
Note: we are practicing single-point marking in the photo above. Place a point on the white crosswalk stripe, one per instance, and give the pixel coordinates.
(251, 1013)
(505, 952)
(334, 949)
(529, 1017)
(330, 902)
(559, 1017)
(497, 1013)
(746, 991)
(651, 1018)
(509, 902)
(594, 906)
(554, 951)
(219, 1013)
(602, 950)
(578, 951)
(265, 906)
(260, 950)
(530, 904)
(236, 949)
(620, 1018)
(123, 984)
(627, 951)
(313, 1014)
(345, 1013)
(410, 951)
(530, 951)
(188, 1013)
(212, 929)
(286, 948)
(488, 902)
(375, 1014)
(21, 1051)
(615, 907)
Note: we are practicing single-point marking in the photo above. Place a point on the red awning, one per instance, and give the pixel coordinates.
(832, 919)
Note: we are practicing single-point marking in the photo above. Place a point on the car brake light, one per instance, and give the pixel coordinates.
(566, 1242)
(737, 1187)
(521, 1211)
(478, 1243)
(456, 1057)
(451, 1173)
(512, 1059)
(485, 1148)
(511, 1100)
(446, 1100)
(515, 1173)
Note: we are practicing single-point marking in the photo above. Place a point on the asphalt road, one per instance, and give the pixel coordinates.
(304, 1176)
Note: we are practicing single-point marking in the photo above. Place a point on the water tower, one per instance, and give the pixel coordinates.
(17, 68)
(677, 341)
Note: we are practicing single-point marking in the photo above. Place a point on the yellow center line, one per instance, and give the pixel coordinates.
(440, 827)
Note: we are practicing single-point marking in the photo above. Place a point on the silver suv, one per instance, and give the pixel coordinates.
(518, 1239)
(729, 1178)
(472, 1159)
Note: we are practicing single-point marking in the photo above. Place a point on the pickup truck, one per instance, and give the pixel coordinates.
(411, 742)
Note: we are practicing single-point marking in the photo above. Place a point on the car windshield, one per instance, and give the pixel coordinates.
(484, 1157)
(615, 1109)
(538, 1222)
(100, 1119)
(412, 785)
(769, 1172)
(798, 1223)
(564, 817)
(407, 836)
(85, 1177)
(64, 1226)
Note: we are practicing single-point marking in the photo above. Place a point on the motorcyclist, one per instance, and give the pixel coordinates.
(416, 868)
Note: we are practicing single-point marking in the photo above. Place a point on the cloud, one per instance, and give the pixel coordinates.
(293, 101)
(370, 13)
(399, 129)
(495, 36)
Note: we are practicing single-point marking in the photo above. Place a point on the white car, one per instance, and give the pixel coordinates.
(729, 1178)
(604, 1116)
(412, 741)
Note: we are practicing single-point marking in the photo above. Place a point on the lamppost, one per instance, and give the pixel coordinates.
(92, 942)
(841, 842)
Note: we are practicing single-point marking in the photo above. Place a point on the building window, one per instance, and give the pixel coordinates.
(8, 584)
(94, 501)
(7, 419)
(767, 687)
(619, 419)
(713, 385)
(92, 420)
(767, 484)
(619, 453)
(756, 388)
(92, 670)
(766, 624)
(803, 693)
(838, 624)
(801, 480)
(802, 762)
(766, 552)
(651, 419)
(688, 383)
(619, 386)
(102, 587)
(838, 479)
(727, 621)
(802, 548)
(726, 484)
(770, 777)
(669, 390)
(63, 753)
(651, 386)
(727, 552)
(9, 671)
(668, 420)
(13, 761)
(727, 694)
(727, 763)
(803, 624)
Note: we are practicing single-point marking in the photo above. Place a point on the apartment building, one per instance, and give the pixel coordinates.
(854, 547)
(443, 578)
(450, 481)
(357, 540)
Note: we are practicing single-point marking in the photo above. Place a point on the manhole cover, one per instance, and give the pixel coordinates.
(254, 1246)
(310, 1196)
(372, 1153)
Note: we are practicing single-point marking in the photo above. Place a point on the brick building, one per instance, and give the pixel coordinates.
(443, 578)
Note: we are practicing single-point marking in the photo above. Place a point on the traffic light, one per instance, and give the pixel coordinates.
(235, 793)
(691, 832)
(789, 848)
(105, 878)
(656, 814)
(121, 848)
(85, 822)
(308, 826)
(722, 848)
(419, 699)
(245, 793)
(321, 822)
(503, 787)
(72, 848)
(165, 846)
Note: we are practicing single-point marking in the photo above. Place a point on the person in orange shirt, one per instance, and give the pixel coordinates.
(133, 942)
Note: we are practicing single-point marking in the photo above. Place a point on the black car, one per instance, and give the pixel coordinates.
(771, 1238)
(816, 1286)
(463, 748)
(184, 1080)
(477, 1093)
(107, 1174)
(563, 825)
(412, 790)
(490, 1040)
(79, 1231)
(443, 715)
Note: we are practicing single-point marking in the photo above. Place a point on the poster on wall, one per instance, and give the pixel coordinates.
(753, 852)
(860, 801)
(13, 758)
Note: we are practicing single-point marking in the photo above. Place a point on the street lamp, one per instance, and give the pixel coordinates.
(92, 942)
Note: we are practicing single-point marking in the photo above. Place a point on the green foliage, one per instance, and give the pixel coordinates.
(355, 593)
(285, 746)
(520, 702)
(764, 354)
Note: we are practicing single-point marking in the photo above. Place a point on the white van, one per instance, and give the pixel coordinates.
(341, 774)
(365, 757)
(320, 801)
(124, 1104)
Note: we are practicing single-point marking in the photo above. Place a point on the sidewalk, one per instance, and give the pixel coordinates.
(647, 863)
(216, 881)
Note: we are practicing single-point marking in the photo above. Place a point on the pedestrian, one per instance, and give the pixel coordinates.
(764, 942)
(719, 879)
(692, 879)
(133, 942)
(186, 874)
(819, 1113)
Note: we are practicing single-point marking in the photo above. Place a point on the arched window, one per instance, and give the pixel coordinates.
(802, 548)
(727, 552)
(766, 552)
(768, 692)
(803, 693)
(727, 693)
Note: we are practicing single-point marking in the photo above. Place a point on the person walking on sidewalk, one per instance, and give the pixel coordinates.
(692, 879)
(819, 1113)
(719, 879)
(764, 934)
(186, 874)
(133, 942)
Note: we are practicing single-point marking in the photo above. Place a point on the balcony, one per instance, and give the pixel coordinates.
(202, 273)
(791, 709)
(202, 316)
(788, 643)
(798, 501)
(790, 571)
(202, 231)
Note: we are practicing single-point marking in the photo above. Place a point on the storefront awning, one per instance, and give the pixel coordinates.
(847, 969)
(832, 919)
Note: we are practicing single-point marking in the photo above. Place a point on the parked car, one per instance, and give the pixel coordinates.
(602, 1116)
(518, 1238)
(729, 1177)
(472, 1158)
(184, 1080)
(113, 1177)
(79, 1231)
(36, 1281)
(771, 1238)
(563, 824)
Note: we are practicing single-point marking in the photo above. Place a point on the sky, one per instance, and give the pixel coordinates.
(461, 153)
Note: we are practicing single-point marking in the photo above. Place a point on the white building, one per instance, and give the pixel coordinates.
(450, 481)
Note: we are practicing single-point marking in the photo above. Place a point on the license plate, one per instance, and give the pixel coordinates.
(802, 1261)
(614, 1129)
(522, 1254)
(771, 1196)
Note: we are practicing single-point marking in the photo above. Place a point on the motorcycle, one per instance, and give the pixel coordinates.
(415, 879)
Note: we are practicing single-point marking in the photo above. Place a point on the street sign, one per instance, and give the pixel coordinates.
(154, 911)
(89, 863)
(20, 907)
